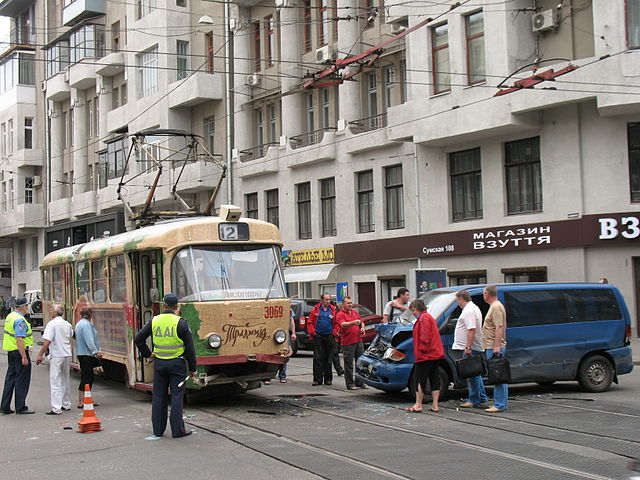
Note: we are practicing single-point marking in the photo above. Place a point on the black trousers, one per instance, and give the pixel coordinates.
(87, 364)
(167, 375)
(17, 380)
(323, 348)
(336, 359)
(351, 354)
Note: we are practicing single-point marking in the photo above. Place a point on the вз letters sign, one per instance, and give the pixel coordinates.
(627, 227)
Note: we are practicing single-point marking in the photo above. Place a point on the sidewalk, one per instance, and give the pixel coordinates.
(635, 350)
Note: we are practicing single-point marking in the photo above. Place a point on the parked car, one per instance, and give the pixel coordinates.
(35, 307)
(555, 332)
(302, 308)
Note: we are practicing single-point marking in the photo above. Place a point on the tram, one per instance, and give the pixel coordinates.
(226, 272)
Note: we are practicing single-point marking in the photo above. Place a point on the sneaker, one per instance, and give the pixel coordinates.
(185, 434)
(7, 412)
(26, 411)
(51, 412)
(66, 409)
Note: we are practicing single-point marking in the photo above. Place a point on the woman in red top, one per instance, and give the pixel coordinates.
(427, 351)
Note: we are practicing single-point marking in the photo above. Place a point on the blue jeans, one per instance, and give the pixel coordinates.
(500, 390)
(282, 371)
(477, 393)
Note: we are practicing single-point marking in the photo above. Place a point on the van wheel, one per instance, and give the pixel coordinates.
(444, 384)
(595, 374)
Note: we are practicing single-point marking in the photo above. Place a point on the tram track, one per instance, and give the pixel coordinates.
(387, 473)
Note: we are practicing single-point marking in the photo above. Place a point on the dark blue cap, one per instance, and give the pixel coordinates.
(21, 302)
(170, 300)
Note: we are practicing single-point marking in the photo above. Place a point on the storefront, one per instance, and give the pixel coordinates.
(308, 273)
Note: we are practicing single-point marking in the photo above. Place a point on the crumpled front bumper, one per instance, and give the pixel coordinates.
(383, 374)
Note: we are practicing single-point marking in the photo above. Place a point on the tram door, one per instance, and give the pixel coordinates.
(147, 288)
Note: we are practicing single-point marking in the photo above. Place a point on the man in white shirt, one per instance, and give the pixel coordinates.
(57, 338)
(395, 308)
(467, 340)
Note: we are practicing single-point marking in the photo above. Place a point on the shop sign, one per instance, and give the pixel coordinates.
(291, 258)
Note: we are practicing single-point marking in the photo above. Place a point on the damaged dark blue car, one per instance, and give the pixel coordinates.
(555, 332)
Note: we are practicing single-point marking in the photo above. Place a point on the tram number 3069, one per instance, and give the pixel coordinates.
(274, 311)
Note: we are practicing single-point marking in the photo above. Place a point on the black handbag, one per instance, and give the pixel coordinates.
(498, 370)
(470, 366)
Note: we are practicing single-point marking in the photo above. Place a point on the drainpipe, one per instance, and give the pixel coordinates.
(230, 104)
(417, 195)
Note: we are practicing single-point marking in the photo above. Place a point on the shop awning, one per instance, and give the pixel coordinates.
(308, 273)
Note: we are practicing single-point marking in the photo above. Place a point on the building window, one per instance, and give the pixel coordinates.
(394, 197)
(323, 24)
(89, 118)
(440, 58)
(311, 125)
(257, 47)
(57, 58)
(466, 184)
(372, 94)
(12, 197)
(633, 134)
(181, 3)
(182, 59)
(273, 122)
(147, 64)
(525, 274)
(306, 24)
(259, 127)
(209, 133)
(469, 277)
(144, 7)
(633, 23)
(403, 81)
(273, 212)
(10, 136)
(388, 75)
(115, 36)
(87, 42)
(25, 27)
(366, 214)
(4, 139)
(111, 162)
(28, 132)
(303, 193)
(35, 263)
(251, 205)
(28, 190)
(270, 39)
(26, 69)
(208, 43)
(524, 179)
(326, 107)
(22, 254)
(328, 206)
(475, 48)
(4, 197)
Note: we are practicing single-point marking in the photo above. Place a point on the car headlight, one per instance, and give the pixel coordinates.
(214, 340)
(393, 355)
(280, 336)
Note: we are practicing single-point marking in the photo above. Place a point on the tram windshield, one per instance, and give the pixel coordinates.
(239, 272)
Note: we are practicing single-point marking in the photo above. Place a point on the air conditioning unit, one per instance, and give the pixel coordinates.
(544, 20)
(323, 54)
(253, 80)
(397, 28)
(36, 181)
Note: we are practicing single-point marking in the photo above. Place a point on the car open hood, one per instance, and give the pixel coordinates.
(388, 330)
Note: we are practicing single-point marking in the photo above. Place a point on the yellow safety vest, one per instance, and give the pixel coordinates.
(164, 332)
(9, 340)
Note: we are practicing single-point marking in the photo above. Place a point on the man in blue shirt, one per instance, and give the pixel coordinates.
(321, 325)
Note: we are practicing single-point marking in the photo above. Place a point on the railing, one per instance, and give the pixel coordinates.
(309, 138)
(255, 152)
(369, 123)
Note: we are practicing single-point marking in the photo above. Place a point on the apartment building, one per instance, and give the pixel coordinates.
(413, 163)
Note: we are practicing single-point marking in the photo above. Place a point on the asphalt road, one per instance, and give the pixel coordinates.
(296, 431)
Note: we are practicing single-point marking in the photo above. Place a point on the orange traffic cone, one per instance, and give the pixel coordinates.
(89, 423)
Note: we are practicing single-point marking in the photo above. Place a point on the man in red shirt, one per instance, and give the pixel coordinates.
(352, 329)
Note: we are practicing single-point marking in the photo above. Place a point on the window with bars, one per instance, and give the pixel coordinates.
(394, 197)
(466, 184)
(303, 200)
(524, 177)
(28, 190)
(476, 67)
(633, 138)
(251, 205)
(328, 206)
(182, 59)
(440, 58)
(147, 65)
(366, 214)
(272, 209)
(208, 45)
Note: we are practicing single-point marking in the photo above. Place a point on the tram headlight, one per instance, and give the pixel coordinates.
(280, 336)
(214, 340)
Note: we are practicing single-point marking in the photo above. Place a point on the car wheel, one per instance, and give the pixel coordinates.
(444, 384)
(595, 374)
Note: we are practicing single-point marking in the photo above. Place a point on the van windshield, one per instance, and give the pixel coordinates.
(437, 301)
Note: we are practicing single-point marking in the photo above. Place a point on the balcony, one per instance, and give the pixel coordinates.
(82, 74)
(312, 147)
(80, 9)
(117, 118)
(310, 138)
(84, 204)
(196, 89)
(19, 94)
(25, 216)
(111, 65)
(197, 176)
(58, 88)
(12, 8)
(368, 124)
(60, 210)
(256, 152)
(269, 162)
(28, 157)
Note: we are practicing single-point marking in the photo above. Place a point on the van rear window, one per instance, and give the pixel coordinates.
(543, 307)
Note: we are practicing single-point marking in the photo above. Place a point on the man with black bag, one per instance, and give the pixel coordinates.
(494, 333)
(467, 344)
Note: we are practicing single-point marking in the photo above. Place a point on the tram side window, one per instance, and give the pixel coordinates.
(183, 282)
(117, 279)
(58, 290)
(83, 280)
(98, 281)
(46, 284)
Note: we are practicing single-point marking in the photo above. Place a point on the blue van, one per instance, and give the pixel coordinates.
(555, 332)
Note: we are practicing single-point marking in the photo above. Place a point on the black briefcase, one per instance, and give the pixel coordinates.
(498, 370)
(470, 366)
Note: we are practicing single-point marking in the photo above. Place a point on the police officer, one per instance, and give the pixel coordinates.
(16, 341)
(172, 345)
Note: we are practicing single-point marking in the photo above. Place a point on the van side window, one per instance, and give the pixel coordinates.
(537, 307)
(594, 305)
(481, 304)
